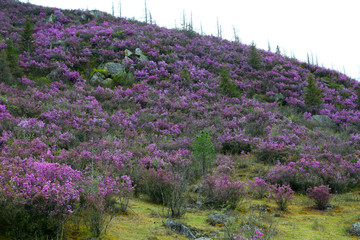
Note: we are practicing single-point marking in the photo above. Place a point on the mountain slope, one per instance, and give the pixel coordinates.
(95, 109)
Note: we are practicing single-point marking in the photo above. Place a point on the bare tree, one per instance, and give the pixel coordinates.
(201, 29)
(236, 36)
(112, 9)
(150, 16)
(120, 15)
(312, 58)
(183, 20)
(191, 26)
(308, 58)
(278, 49)
(219, 31)
(269, 46)
(146, 12)
(293, 54)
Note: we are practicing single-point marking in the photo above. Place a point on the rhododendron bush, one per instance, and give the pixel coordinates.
(67, 140)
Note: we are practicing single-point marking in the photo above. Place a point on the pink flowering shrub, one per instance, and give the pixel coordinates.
(221, 191)
(100, 142)
(282, 196)
(257, 236)
(333, 170)
(321, 196)
(99, 201)
(36, 197)
(271, 152)
(258, 187)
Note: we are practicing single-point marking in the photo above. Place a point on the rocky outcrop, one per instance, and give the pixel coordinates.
(217, 218)
(179, 228)
(113, 68)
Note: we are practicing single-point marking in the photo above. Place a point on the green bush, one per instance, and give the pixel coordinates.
(100, 70)
(27, 36)
(5, 72)
(227, 87)
(254, 59)
(203, 151)
(313, 95)
(126, 80)
(13, 59)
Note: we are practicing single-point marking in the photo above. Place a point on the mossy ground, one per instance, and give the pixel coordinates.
(145, 221)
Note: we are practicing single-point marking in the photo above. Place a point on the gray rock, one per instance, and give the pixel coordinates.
(60, 43)
(217, 218)
(214, 235)
(107, 82)
(355, 229)
(143, 58)
(52, 18)
(96, 13)
(97, 78)
(179, 228)
(197, 188)
(204, 238)
(323, 120)
(138, 52)
(113, 68)
(128, 53)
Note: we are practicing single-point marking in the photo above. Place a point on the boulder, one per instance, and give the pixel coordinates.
(107, 83)
(323, 120)
(52, 19)
(138, 52)
(204, 238)
(143, 58)
(60, 43)
(96, 13)
(113, 68)
(128, 53)
(179, 228)
(355, 229)
(217, 218)
(97, 78)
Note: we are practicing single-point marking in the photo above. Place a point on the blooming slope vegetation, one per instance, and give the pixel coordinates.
(70, 147)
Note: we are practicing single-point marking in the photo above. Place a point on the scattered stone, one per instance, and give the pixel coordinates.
(143, 58)
(52, 18)
(60, 43)
(114, 69)
(97, 78)
(179, 228)
(197, 188)
(107, 82)
(138, 52)
(217, 218)
(128, 53)
(215, 235)
(96, 13)
(355, 229)
(323, 120)
(204, 238)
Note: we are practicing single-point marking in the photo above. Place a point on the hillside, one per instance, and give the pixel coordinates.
(103, 118)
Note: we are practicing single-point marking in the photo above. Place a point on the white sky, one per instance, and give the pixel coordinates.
(327, 28)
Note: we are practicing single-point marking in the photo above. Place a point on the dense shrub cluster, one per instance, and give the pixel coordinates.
(221, 191)
(71, 148)
(321, 196)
